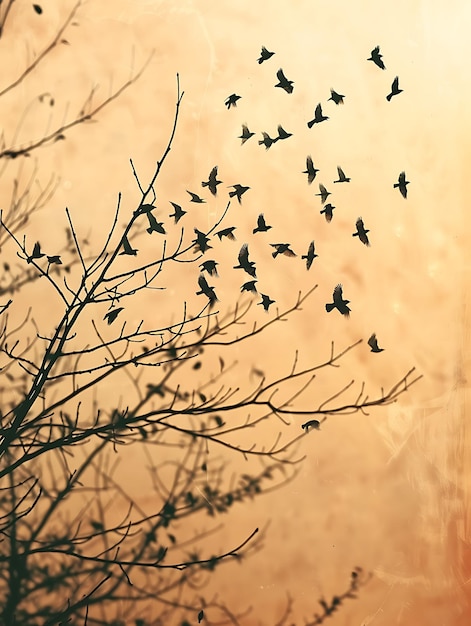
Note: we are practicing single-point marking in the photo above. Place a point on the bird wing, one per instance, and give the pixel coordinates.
(341, 173)
(395, 84)
(244, 254)
(281, 77)
(372, 341)
(359, 224)
(318, 112)
(338, 294)
(322, 189)
(261, 221)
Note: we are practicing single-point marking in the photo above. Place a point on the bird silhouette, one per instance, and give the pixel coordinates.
(127, 248)
(249, 286)
(394, 89)
(282, 248)
(324, 194)
(339, 303)
(311, 424)
(310, 256)
(232, 100)
(361, 232)
(267, 141)
(226, 232)
(282, 133)
(262, 226)
(201, 241)
(206, 290)
(283, 82)
(310, 170)
(54, 260)
(402, 184)
(318, 117)
(244, 263)
(36, 253)
(154, 225)
(336, 97)
(111, 315)
(239, 190)
(212, 181)
(373, 343)
(210, 267)
(266, 301)
(342, 178)
(377, 58)
(265, 55)
(246, 134)
(178, 213)
(328, 211)
(195, 197)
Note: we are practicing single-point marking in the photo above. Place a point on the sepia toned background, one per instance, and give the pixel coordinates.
(387, 491)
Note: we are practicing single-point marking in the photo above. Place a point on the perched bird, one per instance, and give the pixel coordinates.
(179, 212)
(282, 248)
(226, 232)
(339, 303)
(361, 232)
(154, 225)
(212, 181)
(342, 178)
(310, 256)
(402, 184)
(336, 97)
(244, 263)
(267, 141)
(282, 133)
(206, 290)
(210, 267)
(36, 253)
(324, 194)
(328, 211)
(262, 226)
(195, 197)
(283, 82)
(265, 55)
(127, 248)
(246, 134)
(201, 241)
(310, 170)
(377, 58)
(394, 89)
(311, 424)
(239, 190)
(266, 301)
(373, 343)
(232, 100)
(318, 117)
(54, 260)
(249, 286)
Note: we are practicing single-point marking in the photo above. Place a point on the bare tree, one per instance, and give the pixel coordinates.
(67, 553)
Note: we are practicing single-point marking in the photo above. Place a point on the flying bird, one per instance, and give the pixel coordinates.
(206, 290)
(113, 314)
(266, 301)
(232, 100)
(226, 232)
(283, 82)
(361, 232)
(249, 286)
(377, 58)
(267, 141)
(336, 97)
(324, 194)
(318, 117)
(394, 89)
(239, 190)
(244, 263)
(154, 225)
(311, 424)
(262, 226)
(212, 181)
(282, 248)
(402, 184)
(328, 211)
(36, 253)
(195, 197)
(246, 134)
(282, 133)
(310, 170)
(201, 241)
(265, 55)
(373, 343)
(339, 303)
(179, 212)
(310, 256)
(127, 248)
(342, 178)
(210, 267)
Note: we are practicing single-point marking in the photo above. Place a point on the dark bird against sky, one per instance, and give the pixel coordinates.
(265, 55)
(342, 178)
(267, 141)
(310, 170)
(232, 100)
(310, 256)
(212, 181)
(266, 301)
(394, 89)
(402, 184)
(249, 286)
(127, 248)
(336, 97)
(206, 290)
(201, 241)
(318, 117)
(246, 134)
(226, 232)
(210, 266)
(244, 263)
(154, 225)
(282, 248)
(195, 197)
(239, 191)
(373, 343)
(377, 58)
(328, 211)
(262, 226)
(179, 212)
(323, 193)
(339, 303)
(37, 254)
(361, 232)
(283, 82)
(282, 133)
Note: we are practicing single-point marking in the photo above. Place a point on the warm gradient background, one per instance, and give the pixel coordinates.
(388, 491)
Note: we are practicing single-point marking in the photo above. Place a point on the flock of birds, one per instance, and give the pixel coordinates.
(208, 268)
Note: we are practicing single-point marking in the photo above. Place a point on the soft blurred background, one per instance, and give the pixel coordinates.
(387, 491)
